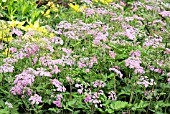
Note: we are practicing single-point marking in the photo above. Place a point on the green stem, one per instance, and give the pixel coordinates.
(115, 83)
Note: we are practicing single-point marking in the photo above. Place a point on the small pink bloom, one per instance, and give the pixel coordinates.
(165, 14)
(112, 54)
(122, 3)
(35, 99)
(87, 70)
(57, 103)
(168, 74)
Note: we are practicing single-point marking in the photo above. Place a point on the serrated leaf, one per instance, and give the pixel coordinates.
(4, 111)
(110, 111)
(140, 105)
(117, 105)
(72, 102)
(76, 112)
(2, 103)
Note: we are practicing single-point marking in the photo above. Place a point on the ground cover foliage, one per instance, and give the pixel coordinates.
(84, 57)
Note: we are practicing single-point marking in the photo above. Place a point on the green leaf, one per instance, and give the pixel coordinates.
(52, 109)
(5, 92)
(110, 111)
(76, 112)
(2, 103)
(140, 105)
(99, 109)
(1, 76)
(72, 102)
(4, 111)
(117, 105)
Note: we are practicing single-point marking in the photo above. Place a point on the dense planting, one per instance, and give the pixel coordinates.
(85, 57)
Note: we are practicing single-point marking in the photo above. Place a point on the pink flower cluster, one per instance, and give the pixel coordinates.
(116, 71)
(165, 13)
(31, 50)
(112, 54)
(167, 51)
(100, 37)
(151, 41)
(98, 84)
(16, 31)
(134, 62)
(8, 104)
(58, 101)
(26, 78)
(10, 60)
(94, 98)
(57, 40)
(6, 68)
(80, 86)
(87, 62)
(112, 95)
(157, 70)
(168, 74)
(131, 33)
(36, 99)
(58, 85)
(143, 80)
(43, 72)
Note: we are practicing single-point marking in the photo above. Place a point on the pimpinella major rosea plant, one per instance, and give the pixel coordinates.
(93, 57)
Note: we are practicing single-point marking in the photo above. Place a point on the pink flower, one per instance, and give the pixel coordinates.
(43, 72)
(98, 83)
(145, 81)
(112, 95)
(158, 21)
(8, 104)
(57, 40)
(80, 91)
(59, 96)
(16, 31)
(112, 54)
(130, 33)
(58, 84)
(168, 80)
(81, 65)
(139, 70)
(35, 99)
(116, 71)
(88, 98)
(122, 3)
(10, 60)
(49, 47)
(6, 68)
(34, 60)
(89, 12)
(69, 79)
(87, 1)
(54, 69)
(67, 51)
(167, 51)
(165, 13)
(135, 53)
(57, 103)
(92, 61)
(168, 74)
(13, 50)
(87, 70)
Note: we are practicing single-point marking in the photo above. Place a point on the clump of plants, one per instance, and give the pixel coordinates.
(97, 56)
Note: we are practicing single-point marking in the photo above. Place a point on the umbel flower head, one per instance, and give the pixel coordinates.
(35, 99)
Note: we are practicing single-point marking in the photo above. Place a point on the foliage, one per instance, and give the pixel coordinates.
(99, 56)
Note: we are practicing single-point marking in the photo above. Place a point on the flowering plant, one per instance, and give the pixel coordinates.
(106, 58)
